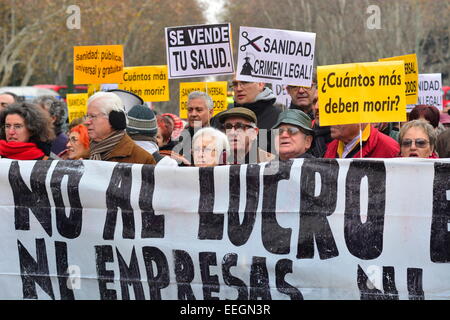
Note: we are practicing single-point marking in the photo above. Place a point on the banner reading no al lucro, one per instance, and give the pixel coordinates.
(303, 229)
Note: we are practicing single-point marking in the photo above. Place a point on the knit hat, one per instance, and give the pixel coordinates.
(142, 120)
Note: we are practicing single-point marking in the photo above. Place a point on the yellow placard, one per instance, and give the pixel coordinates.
(411, 76)
(361, 93)
(76, 105)
(151, 83)
(216, 90)
(98, 64)
(93, 88)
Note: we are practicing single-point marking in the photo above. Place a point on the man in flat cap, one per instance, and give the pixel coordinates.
(294, 135)
(240, 126)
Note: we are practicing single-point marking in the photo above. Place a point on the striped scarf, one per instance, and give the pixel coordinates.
(101, 150)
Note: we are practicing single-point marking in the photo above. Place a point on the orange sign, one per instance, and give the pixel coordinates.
(98, 64)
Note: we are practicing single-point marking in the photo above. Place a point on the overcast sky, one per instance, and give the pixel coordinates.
(214, 7)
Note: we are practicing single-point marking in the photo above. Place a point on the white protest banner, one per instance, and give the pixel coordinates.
(430, 90)
(200, 50)
(283, 97)
(276, 56)
(302, 229)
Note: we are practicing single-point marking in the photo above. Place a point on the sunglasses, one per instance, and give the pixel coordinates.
(290, 131)
(420, 143)
(238, 126)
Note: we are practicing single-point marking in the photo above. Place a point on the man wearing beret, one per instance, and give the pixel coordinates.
(240, 126)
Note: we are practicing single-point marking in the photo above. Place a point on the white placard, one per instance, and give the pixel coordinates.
(198, 51)
(276, 56)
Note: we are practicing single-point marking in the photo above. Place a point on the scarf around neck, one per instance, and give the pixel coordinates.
(20, 150)
(101, 150)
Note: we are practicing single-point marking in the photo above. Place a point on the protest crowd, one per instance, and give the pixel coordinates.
(350, 111)
(34, 130)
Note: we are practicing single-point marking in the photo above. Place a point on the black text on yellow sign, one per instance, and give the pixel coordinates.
(216, 90)
(361, 93)
(151, 83)
(97, 64)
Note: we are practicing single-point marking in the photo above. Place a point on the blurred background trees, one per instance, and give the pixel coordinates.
(37, 47)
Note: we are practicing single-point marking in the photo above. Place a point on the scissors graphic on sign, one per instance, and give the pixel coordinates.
(250, 42)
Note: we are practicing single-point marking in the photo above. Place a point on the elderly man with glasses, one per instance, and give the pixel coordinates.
(240, 126)
(106, 122)
(294, 135)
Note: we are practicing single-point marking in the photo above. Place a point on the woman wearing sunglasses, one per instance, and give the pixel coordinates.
(417, 138)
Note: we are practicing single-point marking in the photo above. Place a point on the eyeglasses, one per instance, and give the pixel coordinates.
(420, 143)
(239, 126)
(73, 140)
(236, 84)
(290, 131)
(209, 150)
(16, 127)
(313, 85)
(93, 116)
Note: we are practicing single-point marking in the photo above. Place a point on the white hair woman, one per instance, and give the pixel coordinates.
(210, 147)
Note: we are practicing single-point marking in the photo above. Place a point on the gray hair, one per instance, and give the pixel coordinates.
(108, 102)
(201, 95)
(220, 139)
(422, 124)
(57, 108)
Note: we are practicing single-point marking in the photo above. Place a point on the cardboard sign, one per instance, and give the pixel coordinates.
(98, 64)
(361, 93)
(77, 105)
(93, 88)
(216, 90)
(430, 90)
(151, 83)
(290, 230)
(200, 50)
(280, 56)
(411, 76)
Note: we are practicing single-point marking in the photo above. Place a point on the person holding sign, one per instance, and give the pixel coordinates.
(258, 98)
(106, 123)
(350, 143)
(302, 98)
(417, 139)
(294, 135)
(240, 125)
(26, 132)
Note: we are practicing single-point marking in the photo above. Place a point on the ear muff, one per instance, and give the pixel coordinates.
(118, 120)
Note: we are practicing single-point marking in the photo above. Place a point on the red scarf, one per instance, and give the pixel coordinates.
(20, 150)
